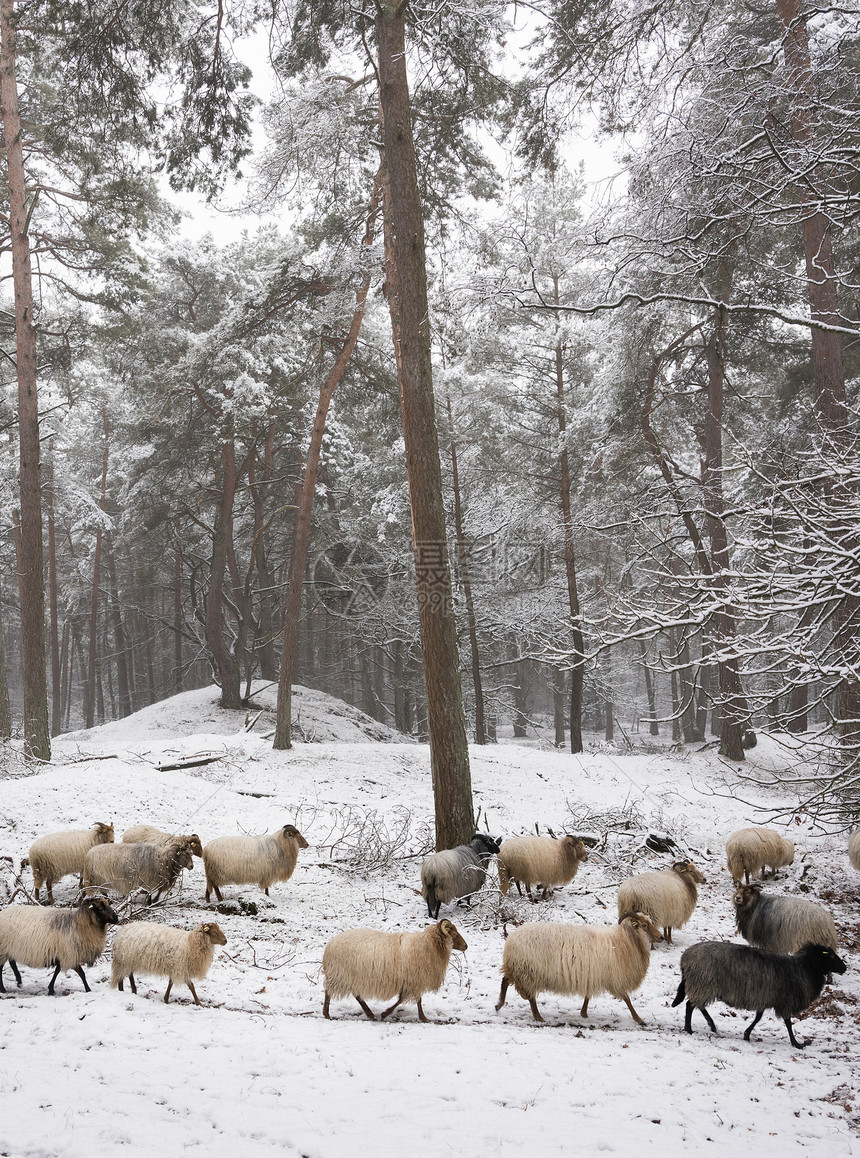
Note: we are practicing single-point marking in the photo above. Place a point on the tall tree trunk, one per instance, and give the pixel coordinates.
(558, 706)
(177, 620)
(305, 498)
(733, 708)
(653, 726)
(577, 671)
(120, 641)
(266, 583)
(827, 357)
(521, 696)
(407, 297)
(224, 657)
(93, 655)
(5, 714)
(37, 740)
(466, 579)
(56, 689)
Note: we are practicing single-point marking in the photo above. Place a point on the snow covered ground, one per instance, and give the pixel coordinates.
(258, 1071)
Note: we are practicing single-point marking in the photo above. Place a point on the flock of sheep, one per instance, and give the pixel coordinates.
(791, 951)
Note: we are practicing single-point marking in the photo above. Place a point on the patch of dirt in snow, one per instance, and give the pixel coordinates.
(259, 1072)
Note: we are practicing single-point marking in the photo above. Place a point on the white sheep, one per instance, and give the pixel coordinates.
(668, 896)
(147, 834)
(183, 957)
(252, 860)
(752, 849)
(64, 938)
(370, 964)
(581, 959)
(533, 860)
(58, 854)
(854, 849)
(122, 868)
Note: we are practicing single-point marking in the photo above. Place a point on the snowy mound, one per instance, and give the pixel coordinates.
(317, 718)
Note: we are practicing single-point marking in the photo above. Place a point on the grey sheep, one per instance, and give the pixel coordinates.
(669, 896)
(532, 860)
(456, 873)
(369, 963)
(782, 924)
(183, 957)
(854, 849)
(58, 854)
(146, 833)
(750, 850)
(65, 938)
(122, 868)
(584, 959)
(748, 978)
(252, 860)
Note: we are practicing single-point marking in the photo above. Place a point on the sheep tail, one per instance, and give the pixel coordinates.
(681, 994)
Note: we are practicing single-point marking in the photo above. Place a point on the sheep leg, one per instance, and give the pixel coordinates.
(326, 1013)
(132, 983)
(14, 965)
(367, 1010)
(197, 1000)
(708, 1019)
(54, 978)
(82, 975)
(266, 891)
(688, 1018)
(633, 1012)
(502, 993)
(584, 1011)
(535, 1011)
(519, 888)
(529, 892)
(667, 934)
(753, 1024)
(392, 1008)
(421, 1016)
(791, 1036)
(50, 889)
(167, 991)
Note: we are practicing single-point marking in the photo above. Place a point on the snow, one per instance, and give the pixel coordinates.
(258, 1071)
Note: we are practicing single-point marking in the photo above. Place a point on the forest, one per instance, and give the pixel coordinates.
(465, 438)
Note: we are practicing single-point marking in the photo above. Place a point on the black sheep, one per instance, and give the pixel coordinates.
(748, 978)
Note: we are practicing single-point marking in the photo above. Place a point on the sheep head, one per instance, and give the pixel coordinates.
(448, 931)
(574, 848)
(104, 832)
(193, 844)
(291, 831)
(746, 897)
(99, 911)
(213, 932)
(686, 868)
(642, 921)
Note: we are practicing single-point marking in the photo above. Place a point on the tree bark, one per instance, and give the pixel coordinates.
(407, 297)
(93, 654)
(54, 614)
(466, 580)
(37, 741)
(305, 497)
(733, 708)
(653, 726)
(224, 657)
(577, 671)
(5, 714)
